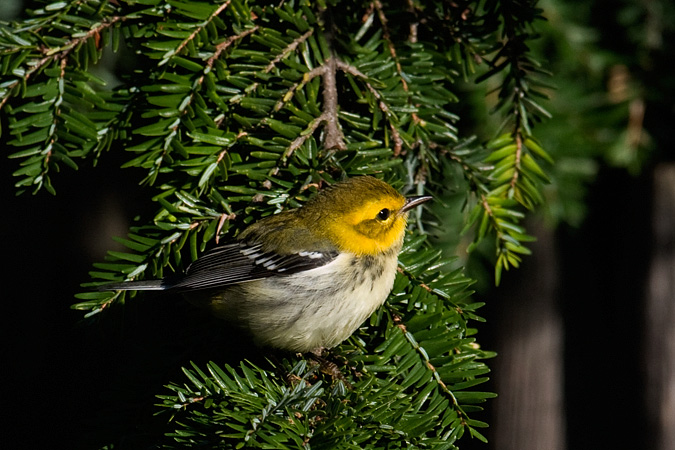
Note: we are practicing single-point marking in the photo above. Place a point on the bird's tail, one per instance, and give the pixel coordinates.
(141, 285)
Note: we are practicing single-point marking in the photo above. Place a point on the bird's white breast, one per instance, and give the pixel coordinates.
(316, 308)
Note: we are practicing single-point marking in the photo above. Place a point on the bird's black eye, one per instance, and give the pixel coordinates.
(384, 214)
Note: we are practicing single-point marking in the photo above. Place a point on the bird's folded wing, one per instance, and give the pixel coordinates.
(239, 262)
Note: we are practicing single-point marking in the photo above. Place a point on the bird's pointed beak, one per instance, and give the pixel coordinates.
(411, 202)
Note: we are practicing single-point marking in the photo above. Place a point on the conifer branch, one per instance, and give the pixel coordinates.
(354, 71)
(62, 52)
(220, 48)
(253, 108)
(425, 358)
(290, 48)
(189, 99)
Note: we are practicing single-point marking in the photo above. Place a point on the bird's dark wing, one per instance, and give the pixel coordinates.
(239, 262)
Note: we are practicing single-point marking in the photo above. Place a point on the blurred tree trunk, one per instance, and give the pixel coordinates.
(529, 412)
(660, 315)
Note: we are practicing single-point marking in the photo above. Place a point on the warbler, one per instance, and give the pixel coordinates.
(305, 278)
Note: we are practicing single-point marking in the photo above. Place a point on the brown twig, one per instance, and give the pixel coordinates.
(314, 124)
(187, 40)
(399, 69)
(333, 139)
(289, 48)
(390, 44)
(221, 222)
(516, 163)
(226, 43)
(486, 206)
(412, 35)
(306, 78)
(297, 142)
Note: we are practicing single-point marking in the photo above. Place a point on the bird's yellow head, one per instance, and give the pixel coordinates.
(361, 215)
